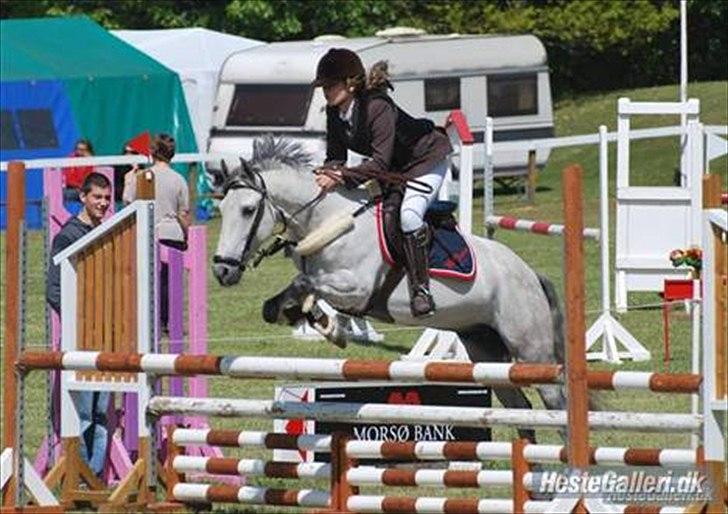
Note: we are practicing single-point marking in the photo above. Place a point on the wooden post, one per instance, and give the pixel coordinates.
(172, 478)
(577, 393)
(520, 467)
(145, 185)
(15, 215)
(531, 178)
(341, 490)
(712, 193)
(72, 474)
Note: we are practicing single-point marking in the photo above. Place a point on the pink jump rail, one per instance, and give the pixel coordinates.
(190, 265)
(193, 263)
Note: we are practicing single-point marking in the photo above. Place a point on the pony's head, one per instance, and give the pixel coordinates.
(248, 215)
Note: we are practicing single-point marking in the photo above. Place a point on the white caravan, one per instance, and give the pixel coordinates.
(267, 89)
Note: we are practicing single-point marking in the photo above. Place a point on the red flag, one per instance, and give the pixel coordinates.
(141, 143)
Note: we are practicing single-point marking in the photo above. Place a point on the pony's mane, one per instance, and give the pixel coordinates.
(269, 153)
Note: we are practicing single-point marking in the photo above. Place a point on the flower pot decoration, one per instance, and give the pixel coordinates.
(691, 258)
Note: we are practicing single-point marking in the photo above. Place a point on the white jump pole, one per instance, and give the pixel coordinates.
(488, 202)
(423, 414)
(465, 183)
(606, 327)
(694, 137)
(696, 312)
(683, 91)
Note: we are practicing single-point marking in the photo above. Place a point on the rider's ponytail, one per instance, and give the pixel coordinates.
(378, 79)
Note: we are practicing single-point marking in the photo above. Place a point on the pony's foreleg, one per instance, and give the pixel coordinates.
(331, 325)
(285, 307)
(342, 291)
(298, 302)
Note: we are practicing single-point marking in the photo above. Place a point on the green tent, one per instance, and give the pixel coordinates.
(66, 78)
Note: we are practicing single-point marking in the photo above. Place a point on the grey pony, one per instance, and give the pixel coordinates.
(508, 312)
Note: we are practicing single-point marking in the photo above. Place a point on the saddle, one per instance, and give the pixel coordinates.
(450, 255)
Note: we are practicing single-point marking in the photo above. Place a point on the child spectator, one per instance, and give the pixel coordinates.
(95, 197)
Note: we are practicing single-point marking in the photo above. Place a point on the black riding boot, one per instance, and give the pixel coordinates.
(415, 251)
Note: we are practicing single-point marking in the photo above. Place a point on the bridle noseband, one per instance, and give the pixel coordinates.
(257, 184)
(262, 190)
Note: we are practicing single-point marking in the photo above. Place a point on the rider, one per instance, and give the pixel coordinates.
(360, 116)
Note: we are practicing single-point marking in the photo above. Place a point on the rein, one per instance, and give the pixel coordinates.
(279, 242)
(383, 176)
(316, 199)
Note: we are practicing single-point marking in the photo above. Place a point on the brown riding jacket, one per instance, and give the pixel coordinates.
(394, 140)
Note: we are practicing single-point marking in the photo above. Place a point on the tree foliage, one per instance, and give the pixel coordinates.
(592, 45)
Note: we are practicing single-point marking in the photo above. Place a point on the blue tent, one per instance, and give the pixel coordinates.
(66, 78)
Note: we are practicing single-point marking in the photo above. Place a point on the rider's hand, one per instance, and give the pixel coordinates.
(328, 179)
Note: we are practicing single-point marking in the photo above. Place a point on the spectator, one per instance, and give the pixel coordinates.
(95, 197)
(74, 176)
(171, 213)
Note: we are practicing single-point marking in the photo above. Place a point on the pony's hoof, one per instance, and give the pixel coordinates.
(341, 343)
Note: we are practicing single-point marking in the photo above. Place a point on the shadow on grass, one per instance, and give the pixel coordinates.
(505, 190)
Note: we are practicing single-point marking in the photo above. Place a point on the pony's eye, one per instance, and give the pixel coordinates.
(248, 211)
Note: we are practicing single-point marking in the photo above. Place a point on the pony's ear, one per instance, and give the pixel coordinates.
(246, 171)
(225, 172)
(218, 176)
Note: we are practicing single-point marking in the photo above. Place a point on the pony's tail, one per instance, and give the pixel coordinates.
(378, 79)
(557, 317)
(557, 321)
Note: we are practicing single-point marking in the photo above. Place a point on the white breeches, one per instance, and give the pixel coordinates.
(415, 203)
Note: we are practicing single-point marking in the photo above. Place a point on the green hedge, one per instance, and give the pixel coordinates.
(593, 45)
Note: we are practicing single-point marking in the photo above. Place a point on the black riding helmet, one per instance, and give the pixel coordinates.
(338, 64)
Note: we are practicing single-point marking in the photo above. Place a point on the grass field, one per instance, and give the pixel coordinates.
(236, 326)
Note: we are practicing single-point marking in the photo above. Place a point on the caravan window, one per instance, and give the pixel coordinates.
(36, 127)
(8, 139)
(270, 105)
(442, 94)
(512, 95)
